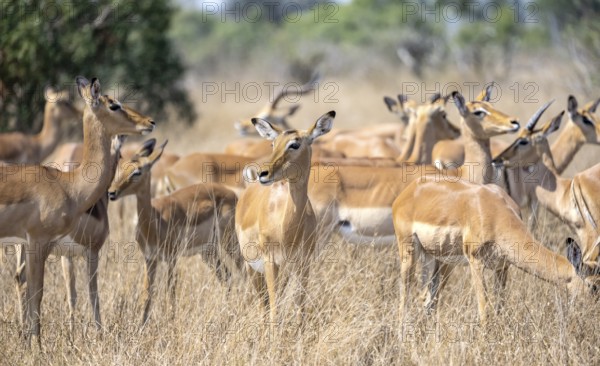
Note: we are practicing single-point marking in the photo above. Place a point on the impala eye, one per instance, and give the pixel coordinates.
(294, 146)
(587, 121)
(523, 142)
(479, 113)
(136, 173)
(114, 107)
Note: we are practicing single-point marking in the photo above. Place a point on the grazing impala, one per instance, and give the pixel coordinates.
(16, 147)
(44, 207)
(196, 219)
(462, 222)
(574, 201)
(274, 220)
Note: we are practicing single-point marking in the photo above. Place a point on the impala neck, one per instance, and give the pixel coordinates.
(47, 139)
(552, 191)
(148, 217)
(478, 158)
(92, 178)
(298, 195)
(566, 146)
(536, 259)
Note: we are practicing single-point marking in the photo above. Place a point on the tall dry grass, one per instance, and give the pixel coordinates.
(352, 292)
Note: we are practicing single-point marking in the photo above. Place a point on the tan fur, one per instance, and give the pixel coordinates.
(275, 222)
(46, 206)
(16, 147)
(486, 232)
(189, 221)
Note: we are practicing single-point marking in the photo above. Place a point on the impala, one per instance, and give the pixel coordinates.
(16, 147)
(196, 219)
(274, 220)
(444, 222)
(85, 239)
(45, 207)
(429, 125)
(360, 198)
(574, 201)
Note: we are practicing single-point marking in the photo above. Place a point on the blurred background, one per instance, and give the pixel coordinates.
(189, 62)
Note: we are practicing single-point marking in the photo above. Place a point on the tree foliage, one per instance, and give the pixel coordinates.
(124, 44)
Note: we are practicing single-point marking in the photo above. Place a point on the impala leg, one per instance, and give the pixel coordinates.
(172, 285)
(438, 280)
(407, 252)
(151, 264)
(476, 266)
(92, 267)
(211, 257)
(301, 293)
(36, 254)
(271, 274)
(21, 284)
(500, 276)
(69, 276)
(259, 283)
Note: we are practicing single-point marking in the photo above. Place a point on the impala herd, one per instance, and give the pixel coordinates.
(445, 195)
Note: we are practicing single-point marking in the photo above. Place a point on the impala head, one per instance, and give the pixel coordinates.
(134, 173)
(588, 271)
(116, 118)
(531, 143)
(290, 159)
(482, 119)
(59, 105)
(585, 119)
(403, 107)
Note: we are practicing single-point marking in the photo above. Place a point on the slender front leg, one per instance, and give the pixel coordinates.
(151, 264)
(172, 285)
(92, 267)
(21, 284)
(37, 251)
(438, 280)
(259, 283)
(69, 276)
(500, 276)
(477, 267)
(407, 251)
(271, 274)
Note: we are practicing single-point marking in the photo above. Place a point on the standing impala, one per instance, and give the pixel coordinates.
(192, 220)
(16, 147)
(274, 220)
(44, 207)
(462, 222)
(574, 201)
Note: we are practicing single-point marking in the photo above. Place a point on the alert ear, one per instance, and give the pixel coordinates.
(90, 92)
(322, 126)
(391, 104)
(146, 149)
(460, 103)
(572, 105)
(553, 125)
(593, 106)
(265, 129)
(485, 94)
(155, 156)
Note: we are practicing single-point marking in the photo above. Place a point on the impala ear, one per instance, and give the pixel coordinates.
(460, 103)
(322, 126)
(146, 149)
(155, 156)
(90, 92)
(391, 104)
(593, 106)
(572, 105)
(553, 125)
(435, 98)
(574, 254)
(265, 129)
(485, 94)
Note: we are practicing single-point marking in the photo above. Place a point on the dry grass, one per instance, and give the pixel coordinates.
(352, 294)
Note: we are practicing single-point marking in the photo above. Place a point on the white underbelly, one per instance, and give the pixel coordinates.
(441, 242)
(368, 222)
